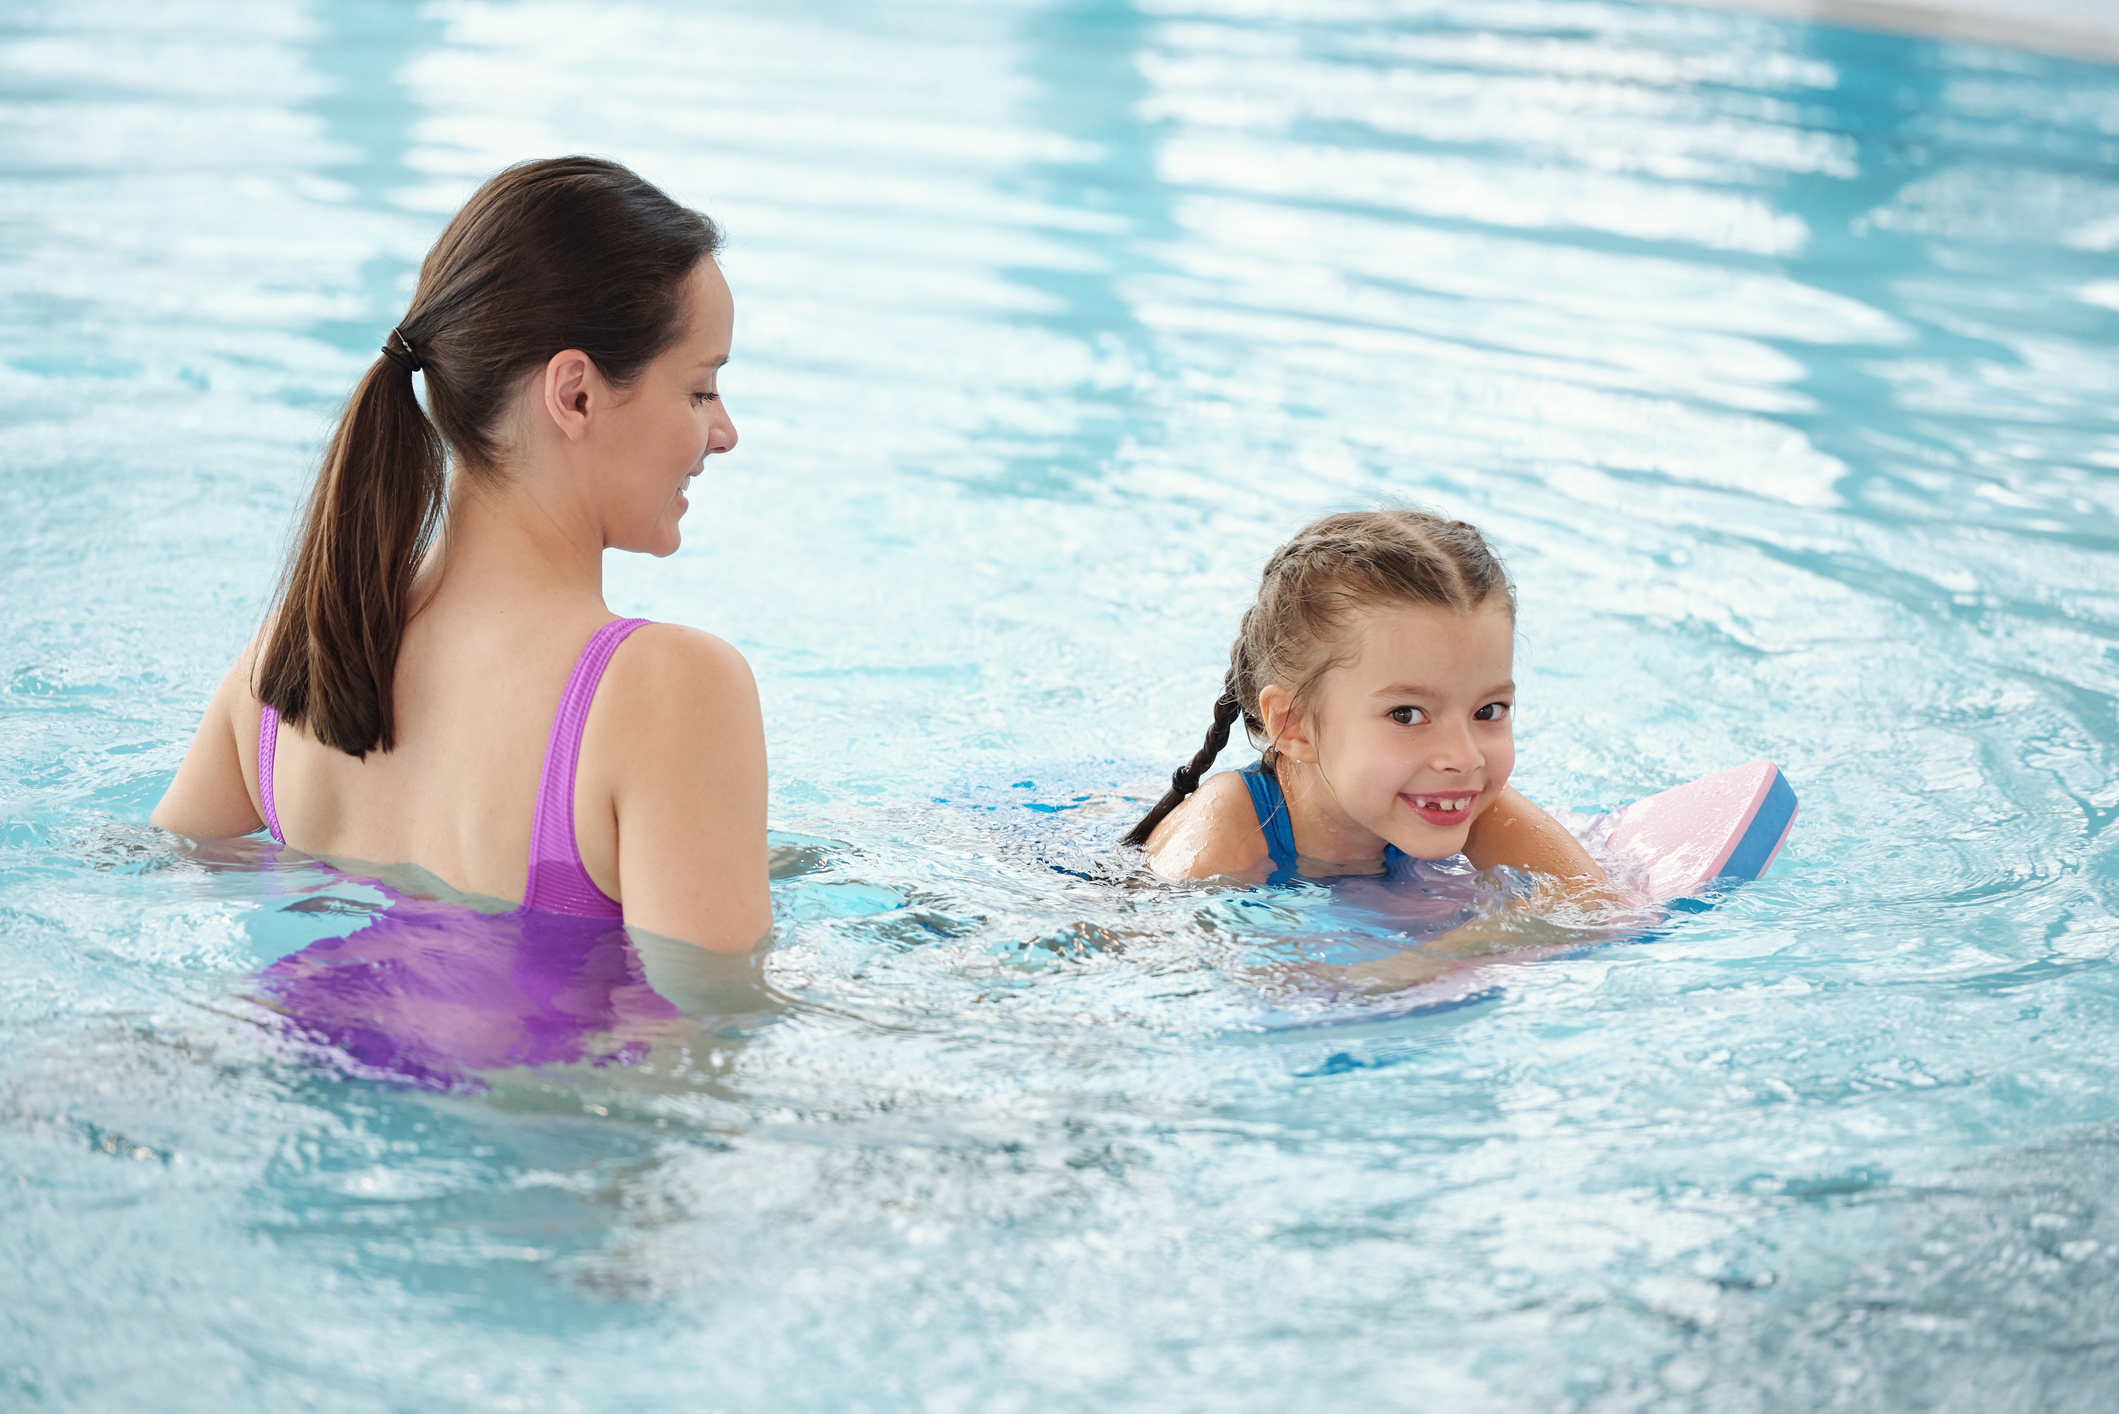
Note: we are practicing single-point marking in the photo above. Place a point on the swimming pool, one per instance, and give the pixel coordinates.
(1779, 360)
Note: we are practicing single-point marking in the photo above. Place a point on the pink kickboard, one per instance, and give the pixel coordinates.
(1728, 825)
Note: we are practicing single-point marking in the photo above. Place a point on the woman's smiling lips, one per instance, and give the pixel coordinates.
(1444, 809)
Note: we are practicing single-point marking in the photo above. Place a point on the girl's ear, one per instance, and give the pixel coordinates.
(1287, 725)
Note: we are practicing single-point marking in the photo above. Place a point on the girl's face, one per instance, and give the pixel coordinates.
(664, 427)
(1412, 737)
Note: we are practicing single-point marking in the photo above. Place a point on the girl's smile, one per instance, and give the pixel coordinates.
(1445, 810)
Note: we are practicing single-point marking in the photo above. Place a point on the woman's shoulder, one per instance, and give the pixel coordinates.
(1214, 834)
(679, 649)
(669, 673)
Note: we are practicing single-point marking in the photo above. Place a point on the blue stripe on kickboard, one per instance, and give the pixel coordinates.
(1755, 850)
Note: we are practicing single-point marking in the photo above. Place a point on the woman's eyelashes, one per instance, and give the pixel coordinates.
(707, 397)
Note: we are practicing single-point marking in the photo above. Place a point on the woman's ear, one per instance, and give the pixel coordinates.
(1287, 725)
(571, 385)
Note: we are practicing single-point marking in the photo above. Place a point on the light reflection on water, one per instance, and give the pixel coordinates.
(1779, 360)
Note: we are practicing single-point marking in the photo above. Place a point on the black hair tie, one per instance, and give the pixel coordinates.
(406, 358)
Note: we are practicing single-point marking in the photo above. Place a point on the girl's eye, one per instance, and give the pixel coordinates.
(1492, 712)
(1408, 716)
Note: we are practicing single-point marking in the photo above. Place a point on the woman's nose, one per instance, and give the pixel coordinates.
(722, 437)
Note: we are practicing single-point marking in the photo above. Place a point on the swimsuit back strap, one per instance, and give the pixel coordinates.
(1271, 808)
(558, 882)
(268, 749)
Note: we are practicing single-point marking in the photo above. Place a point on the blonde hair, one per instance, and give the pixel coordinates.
(1295, 631)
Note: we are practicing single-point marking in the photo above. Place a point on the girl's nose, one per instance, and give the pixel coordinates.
(1455, 749)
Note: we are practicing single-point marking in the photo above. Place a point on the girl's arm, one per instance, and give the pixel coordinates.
(688, 788)
(211, 795)
(1513, 831)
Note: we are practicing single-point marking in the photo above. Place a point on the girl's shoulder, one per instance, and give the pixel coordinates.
(1214, 834)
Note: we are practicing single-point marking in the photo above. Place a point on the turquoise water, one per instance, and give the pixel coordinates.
(1778, 358)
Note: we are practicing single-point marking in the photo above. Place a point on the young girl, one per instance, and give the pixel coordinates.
(1377, 668)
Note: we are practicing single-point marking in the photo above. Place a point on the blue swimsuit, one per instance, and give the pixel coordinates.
(1272, 808)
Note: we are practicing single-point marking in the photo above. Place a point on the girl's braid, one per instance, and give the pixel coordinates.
(1185, 779)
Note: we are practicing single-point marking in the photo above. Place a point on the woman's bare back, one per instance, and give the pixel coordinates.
(475, 699)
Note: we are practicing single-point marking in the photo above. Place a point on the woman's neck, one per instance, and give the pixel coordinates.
(503, 542)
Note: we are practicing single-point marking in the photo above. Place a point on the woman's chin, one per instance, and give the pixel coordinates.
(670, 534)
(661, 542)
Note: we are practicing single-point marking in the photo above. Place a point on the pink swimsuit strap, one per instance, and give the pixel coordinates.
(268, 747)
(558, 882)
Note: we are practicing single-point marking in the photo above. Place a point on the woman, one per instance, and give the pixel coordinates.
(440, 682)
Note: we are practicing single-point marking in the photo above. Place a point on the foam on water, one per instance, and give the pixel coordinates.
(1779, 360)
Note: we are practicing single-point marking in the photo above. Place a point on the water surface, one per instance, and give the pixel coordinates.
(1777, 358)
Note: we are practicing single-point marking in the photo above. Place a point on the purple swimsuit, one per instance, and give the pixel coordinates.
(431, 992)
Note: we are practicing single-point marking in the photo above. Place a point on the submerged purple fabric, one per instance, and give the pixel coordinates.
(558, 882)
(432, 993)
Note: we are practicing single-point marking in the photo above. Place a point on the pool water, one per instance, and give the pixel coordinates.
(1779, 359)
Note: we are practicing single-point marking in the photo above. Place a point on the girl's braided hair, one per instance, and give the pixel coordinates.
(1293, 633)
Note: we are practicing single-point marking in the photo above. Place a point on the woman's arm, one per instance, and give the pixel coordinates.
(1515, 832)
(211, 795)
(688, 786)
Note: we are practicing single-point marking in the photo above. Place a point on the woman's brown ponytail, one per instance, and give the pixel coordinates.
(331, 662)
(568, 253)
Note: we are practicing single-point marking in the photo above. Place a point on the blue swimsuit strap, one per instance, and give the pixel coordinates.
(1271, 807)
(1272, 810)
